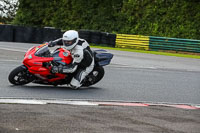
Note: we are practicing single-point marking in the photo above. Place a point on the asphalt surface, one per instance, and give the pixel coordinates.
(130, 77)
(53, 118)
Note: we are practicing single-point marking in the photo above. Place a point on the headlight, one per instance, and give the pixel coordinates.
(30, 56)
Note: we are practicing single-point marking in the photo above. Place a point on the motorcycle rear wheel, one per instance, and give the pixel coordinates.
(95, 76)
(20, 76)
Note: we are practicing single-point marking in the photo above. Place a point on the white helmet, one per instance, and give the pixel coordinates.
(70, 39)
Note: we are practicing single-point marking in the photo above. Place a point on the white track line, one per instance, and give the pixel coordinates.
(94, 103)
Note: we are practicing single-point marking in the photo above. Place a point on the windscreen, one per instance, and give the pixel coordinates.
(42, 50)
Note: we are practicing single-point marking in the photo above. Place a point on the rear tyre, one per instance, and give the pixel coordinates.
(20, 76)
(95, 76)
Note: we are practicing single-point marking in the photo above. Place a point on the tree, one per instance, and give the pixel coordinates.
(167, 18)
(8, 10)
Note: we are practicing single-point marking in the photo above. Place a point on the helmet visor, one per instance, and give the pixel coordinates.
(69, 42)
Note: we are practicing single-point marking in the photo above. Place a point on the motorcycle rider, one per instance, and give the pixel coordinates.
(83, 59)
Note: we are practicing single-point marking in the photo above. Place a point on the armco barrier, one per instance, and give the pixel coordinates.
(98, 37)
(111, 38)
(38, 36)
(28, 34)
(50, 34)
(12, 33)
(132, 41)
(174, 44)
(157, 43)
(95, 37)
(85, 34)
(6, 33)
(23, 34)
(104, 38)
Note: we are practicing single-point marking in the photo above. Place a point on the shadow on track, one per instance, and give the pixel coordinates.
(61, 88)
(49, 92)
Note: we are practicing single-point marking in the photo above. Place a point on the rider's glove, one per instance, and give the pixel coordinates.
(57, 69)
(64, 69)
(54, 69)
(51, 44)
(69, 68)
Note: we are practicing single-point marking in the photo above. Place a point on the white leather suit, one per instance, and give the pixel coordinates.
(83, 61)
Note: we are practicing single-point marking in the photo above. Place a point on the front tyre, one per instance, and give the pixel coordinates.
(95, 76)
(20, 76)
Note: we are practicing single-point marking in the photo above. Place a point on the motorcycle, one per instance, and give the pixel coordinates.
(38, 62)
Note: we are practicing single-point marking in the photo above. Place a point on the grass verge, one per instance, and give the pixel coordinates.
(186, 55)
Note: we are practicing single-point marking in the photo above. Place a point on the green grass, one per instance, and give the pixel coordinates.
(149, 52)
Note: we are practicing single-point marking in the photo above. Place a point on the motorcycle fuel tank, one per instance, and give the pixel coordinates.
(62, 56)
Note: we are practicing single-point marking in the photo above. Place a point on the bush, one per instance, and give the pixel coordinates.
(175, 18)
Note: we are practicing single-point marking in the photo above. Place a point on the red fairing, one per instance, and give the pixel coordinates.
(65, 55)
(35, 64)
(31, 60)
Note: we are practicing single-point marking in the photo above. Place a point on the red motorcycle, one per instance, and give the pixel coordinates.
(38, 62)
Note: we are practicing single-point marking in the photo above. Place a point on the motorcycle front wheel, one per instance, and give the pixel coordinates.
(20, 76)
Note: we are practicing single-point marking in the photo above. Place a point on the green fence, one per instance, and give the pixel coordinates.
(174, 44)
(157, 43)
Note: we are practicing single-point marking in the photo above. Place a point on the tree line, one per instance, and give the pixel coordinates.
(167, 18)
